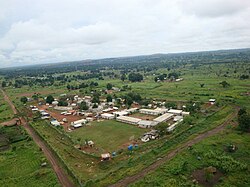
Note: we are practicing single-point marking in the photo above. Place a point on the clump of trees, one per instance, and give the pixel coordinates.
(50, 99)
(135, 77)
(109, 86)
(161, 77)
(244, 120)
(225, 84)
(84, 106)
(24, 100)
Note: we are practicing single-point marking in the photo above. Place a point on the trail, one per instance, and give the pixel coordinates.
(61, 174)
(140, 175)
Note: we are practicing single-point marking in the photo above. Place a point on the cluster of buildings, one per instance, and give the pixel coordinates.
(162, 114)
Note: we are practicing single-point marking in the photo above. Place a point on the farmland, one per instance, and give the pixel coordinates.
(21, 161)
(5, 110)
(179, 171)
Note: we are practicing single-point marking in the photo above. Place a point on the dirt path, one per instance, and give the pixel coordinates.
(131, 179)
(61, 175)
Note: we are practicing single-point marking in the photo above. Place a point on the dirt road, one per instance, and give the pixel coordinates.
(61, 174)
(131, 179)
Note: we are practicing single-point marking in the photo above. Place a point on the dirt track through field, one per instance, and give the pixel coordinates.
(140, 175)
(61, 174)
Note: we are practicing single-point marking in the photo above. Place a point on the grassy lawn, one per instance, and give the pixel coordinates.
(178, 171)
(108, 135)
(20, 163)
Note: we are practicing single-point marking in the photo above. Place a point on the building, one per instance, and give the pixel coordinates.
(132, 110)
(78, 123)
(178, 118)
(155, 112)
(146, 124)
(185, 113)
(163, 118)
(175, 112)
(129, 120)
(121, 113)
(107, 116)
(212, 101)
(55, 123)
(173, 126)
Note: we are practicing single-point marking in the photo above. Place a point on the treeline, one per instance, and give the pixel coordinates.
(129, 64)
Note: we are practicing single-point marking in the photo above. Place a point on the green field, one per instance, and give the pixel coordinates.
(5, 110)
(20, 163)
(178, 171)
(108, 135)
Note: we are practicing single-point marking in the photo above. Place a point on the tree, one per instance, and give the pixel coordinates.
(50, 99)
(62, 103)
(173, 75)
(4, 84)
(84, 106)
(162, 129)
(170, 105)
(96, 98)
(135, 77)
(128, 101)
(109, 86)
(35, 97)
(202, 85)
(109, 98)
(225, 84)
(123, 77)
(242, 111)
(24, 99)
(244, 122)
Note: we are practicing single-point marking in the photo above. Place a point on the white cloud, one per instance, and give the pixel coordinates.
(53, 31)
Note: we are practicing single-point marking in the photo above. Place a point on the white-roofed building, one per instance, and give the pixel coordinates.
(178, 118)
(129, 120)
(78, 123)
(185, 113)
(175, 111)
(132, 110)
(107, 116)
(120, 113)
(163, 118)
(155, 112)
(147, 123)
(55, 123)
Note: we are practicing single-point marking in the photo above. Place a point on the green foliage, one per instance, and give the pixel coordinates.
(225, 84)
(135, 77)
(244, 122)
(84, 106)
(96, 98)
(50, 99)
(109, 86)
(24, 99)
(109, 98)
(223, 162)
(62, 103)
(170, 105)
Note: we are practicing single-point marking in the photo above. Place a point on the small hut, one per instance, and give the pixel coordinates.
(105, 156)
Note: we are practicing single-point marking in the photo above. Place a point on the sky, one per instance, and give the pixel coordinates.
(47, 31)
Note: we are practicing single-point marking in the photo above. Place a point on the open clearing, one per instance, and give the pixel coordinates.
(109, 135)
